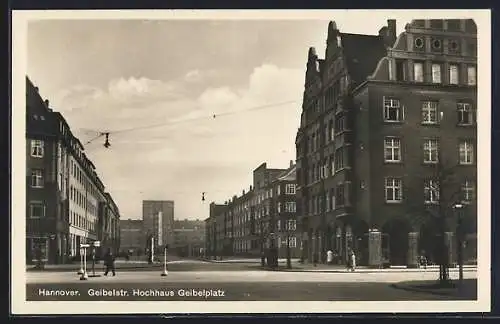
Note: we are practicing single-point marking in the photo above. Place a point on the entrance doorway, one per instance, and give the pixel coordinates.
(397, 240)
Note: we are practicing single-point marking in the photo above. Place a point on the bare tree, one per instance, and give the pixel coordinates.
(431, 197)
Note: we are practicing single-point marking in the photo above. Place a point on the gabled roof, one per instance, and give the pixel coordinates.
(362, 54)
(288, 175)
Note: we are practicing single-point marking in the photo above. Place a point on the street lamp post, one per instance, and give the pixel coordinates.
(459, 232)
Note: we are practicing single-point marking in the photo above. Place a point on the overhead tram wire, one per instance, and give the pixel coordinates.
(126, 130)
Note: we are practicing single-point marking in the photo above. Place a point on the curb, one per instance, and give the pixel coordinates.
(420, 290)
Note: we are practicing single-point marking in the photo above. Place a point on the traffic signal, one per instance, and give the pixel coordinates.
(106, 142)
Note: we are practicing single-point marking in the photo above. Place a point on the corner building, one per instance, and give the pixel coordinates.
(384, 118)
(63, 191)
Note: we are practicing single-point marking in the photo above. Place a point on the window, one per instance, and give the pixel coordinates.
(419, 43)
(37, 178)
(37, 148)
(291, 225)
(453, 74)
(465, 113)
(332, 164)
(279, 207)
(333, 200)
(431, 191)
(393, 190)
(418, 71)
(37, 210)
(431, 151)
(392, 149)
(293, 241)
(436, 44)
(278, 190)
(339, 159)
(400, 70)
(290, 206)
(468, 191)
(471, 75)
(429, 112)
(327, 202)
(340, 196)
(392, 110)
(436, 73)
(466, 152)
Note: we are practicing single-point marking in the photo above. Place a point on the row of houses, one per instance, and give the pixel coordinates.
(260, 220)
(187, 238)
(66, 202)
(386, 149)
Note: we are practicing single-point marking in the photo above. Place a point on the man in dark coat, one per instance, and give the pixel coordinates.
(109, 262)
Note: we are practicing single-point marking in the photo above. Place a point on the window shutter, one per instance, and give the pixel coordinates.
(403, 111)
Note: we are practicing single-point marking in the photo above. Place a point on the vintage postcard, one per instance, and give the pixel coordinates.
(250, 161)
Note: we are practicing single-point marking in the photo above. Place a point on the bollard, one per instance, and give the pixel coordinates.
(165, 272)
(84, 276)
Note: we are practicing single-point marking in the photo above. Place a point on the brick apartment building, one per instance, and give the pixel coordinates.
(132, 239)
(189, 238)
(387, 142)
(65, 199)
(262, 218)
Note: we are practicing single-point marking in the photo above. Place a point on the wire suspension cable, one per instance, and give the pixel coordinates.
(168, 123)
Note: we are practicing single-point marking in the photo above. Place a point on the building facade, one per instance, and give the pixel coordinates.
(47, 224)
(132, 238)
(387, 143)
(259, 220)
(189, 238)
(158, 220)
(64, 191)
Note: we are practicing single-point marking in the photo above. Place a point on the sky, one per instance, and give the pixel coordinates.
(124, 76)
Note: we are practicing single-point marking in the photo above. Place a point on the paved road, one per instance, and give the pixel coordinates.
(232, 265)
(237, 285)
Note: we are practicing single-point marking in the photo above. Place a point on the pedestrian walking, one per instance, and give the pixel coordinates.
(329, 257)
(351, 261)
(109, 262)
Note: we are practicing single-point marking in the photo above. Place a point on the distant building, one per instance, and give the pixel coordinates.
(189, 238)
(158, 221)
(65, 199)
(260, 219)
(132, 237)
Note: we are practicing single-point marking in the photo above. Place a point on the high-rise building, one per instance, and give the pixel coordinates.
(158, 220)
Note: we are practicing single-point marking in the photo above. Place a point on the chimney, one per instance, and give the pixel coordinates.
(46, 103)
(251, 188)
(291, 163)
(243, 192)
(391, 32)
(36, 89)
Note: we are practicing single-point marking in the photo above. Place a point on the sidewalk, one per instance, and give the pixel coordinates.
(119, 264)
(468, 290)
(340, 268)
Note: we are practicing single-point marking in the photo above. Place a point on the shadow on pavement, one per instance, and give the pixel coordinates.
(468, 289)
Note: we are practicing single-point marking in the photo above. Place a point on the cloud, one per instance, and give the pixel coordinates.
(191, 142)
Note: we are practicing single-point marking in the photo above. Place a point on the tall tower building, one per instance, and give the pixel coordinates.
(158, 220)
